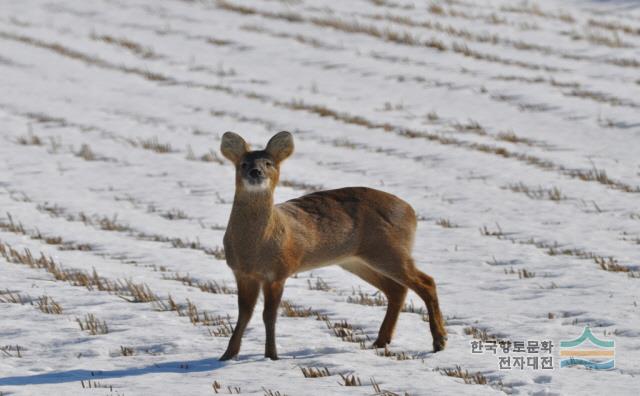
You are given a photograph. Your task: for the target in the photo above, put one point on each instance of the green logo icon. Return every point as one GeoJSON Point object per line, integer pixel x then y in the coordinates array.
{"type": "Point", "coordinates": [588, 351]}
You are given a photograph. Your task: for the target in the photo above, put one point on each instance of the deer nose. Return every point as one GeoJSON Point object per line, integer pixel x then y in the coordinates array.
{"type": "Point", "coordinates": [255, 173]}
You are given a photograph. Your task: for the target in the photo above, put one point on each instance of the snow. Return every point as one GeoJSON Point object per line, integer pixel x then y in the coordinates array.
{"type": "Point", "coordinates": [116, 76]}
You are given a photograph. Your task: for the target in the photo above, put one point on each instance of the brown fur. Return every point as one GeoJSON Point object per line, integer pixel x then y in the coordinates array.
{"type": "Point", "coordinates": [367, 232]}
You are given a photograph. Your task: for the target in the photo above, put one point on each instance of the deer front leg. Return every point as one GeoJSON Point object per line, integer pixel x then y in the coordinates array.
{"type": "Point", "coordinates": [248, 290]}
{"type": "Point", "coordinates": [272, 296]}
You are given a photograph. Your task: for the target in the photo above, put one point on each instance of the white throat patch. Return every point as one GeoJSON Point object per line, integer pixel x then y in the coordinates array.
{"type": "Point", "coordinates": [256, 187]}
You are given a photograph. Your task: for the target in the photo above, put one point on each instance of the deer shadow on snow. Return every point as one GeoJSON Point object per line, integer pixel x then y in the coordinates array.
{"type": "Point", "coordinates": [178, 367]}
{"type": "Point", "coordinates": [59, 377]}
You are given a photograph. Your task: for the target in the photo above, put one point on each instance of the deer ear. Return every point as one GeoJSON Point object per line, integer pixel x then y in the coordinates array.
{"type": "Point", "coordinates": [280, 146]}
{"type": "Point", "coordinates": [233, 146]}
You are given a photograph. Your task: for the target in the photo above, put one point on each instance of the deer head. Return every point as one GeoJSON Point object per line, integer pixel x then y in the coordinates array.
{"type": "Point", "coordinates": [257, 171]}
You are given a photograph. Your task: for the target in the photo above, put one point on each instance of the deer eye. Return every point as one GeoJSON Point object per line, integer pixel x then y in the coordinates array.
{"type": "Point", "coordinates": [244, 165]}
{"type": "Point", "coordinates": [269, 164]}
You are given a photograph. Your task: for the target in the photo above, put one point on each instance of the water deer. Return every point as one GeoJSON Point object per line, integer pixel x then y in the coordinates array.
{"type": "Point", "coordinates": [367, 232]}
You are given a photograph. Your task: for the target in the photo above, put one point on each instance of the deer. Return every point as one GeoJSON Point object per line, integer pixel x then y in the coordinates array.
{"type": "Point", "coordinates": [367, 232]}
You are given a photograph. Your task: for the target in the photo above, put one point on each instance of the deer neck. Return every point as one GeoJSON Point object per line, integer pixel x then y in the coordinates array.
{"type": "Point", "coordinates": [253, 214]}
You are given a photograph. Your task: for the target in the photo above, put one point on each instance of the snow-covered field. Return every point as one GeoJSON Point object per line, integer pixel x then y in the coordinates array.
{"type": "Point", "coordinates": [511, 127]}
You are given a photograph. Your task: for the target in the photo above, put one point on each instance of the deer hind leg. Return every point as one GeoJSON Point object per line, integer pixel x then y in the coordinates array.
{"type": "Point", "coordinates": [248, 290]}
{"type": "Point", "coordinates": [394, 292]}
{"type": "Point", "coordinates": [272, 296]}
{"type": "Point", "coordinates": [402, 269]}
{"type": "Point", "coordinates": [425, 287]}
